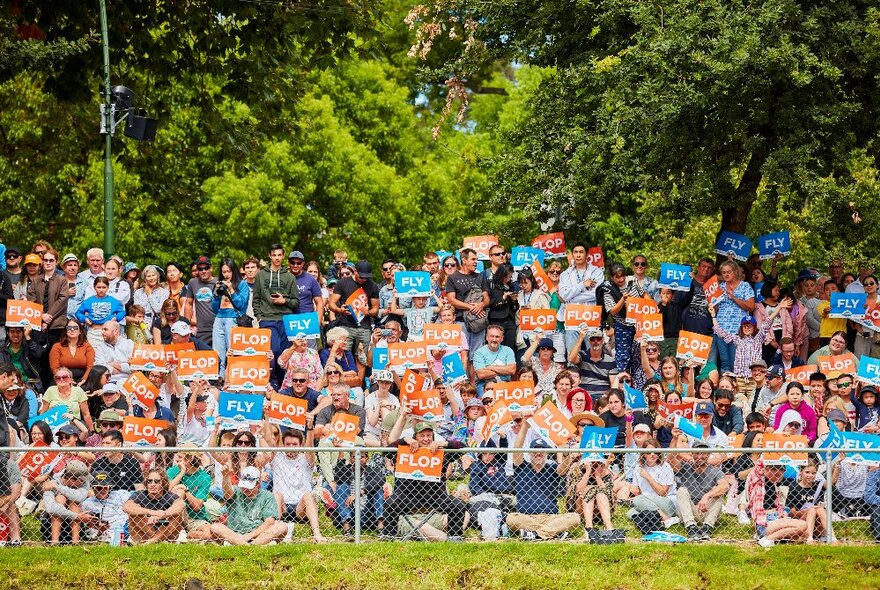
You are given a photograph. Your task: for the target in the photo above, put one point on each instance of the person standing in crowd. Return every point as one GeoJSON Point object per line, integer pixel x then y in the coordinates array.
{"type": "Point", "coordinates": [99, 309]}
{"type": "Point", "coordinates": [200, 311]}
{"type": "Point", "coordinates": [275, 295]}
{"type": "Point", "coordinates": [468, 292]}
{"type": "Point", "coordinates": [358, 328]}
{"type": "Point", "coordinates": [229, 302]}
{"type": "Point", "coordinates": [311, 298]}
{"type": "Point", "coordinates": [739, 301]}
{"type": "Point", "coordinates": [577, 284]}
{"type": "Point", "coordinates": [641, 282]}
{"type": "Point", "coordinates": [50, 290]}
{"type": "Point", "coordinates": [151, 295]}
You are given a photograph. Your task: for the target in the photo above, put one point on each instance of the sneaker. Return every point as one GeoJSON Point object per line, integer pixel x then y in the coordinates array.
{"type": "Point", "coordinates": [289, 534]}
{"type": "Point", "coordinates": [837, 517]}
{"type": "Point", "coordinates": [181, 538]}
{"type": "Point", "coordinates": [743, 518]}
{"type": "Point", "coordinates": [528, 535]}
{"type": "Point", "coordinates": [693, 533]}
{"type": "Point", "coordinates": [765, 542]}
{"type": "Point", "coordinates": [670, 522]}
{"type": "Point", "coordinates": [705, 532]}
{"type": "Point", "coordinates": [563, 536]}
{"type": "Point", "coordinates": [454, 539]}
{"type": "Point", "coordinates": [327, 499]}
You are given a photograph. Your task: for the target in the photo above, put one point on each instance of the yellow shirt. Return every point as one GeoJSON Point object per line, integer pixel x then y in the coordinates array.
{"type": "Point", "coordinates": [828, 326]}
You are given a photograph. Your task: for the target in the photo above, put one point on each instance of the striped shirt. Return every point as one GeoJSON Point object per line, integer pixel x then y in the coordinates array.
{"type": "Point", "coordinates": [594, 374]}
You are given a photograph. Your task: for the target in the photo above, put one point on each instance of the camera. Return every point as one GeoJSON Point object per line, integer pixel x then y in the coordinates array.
{"type": "Point", "coordinates": [221, 289]}
{"type": "Point", "coordinates": [385, 332]}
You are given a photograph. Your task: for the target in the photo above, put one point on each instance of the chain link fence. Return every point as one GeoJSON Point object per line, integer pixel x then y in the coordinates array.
{"type": "Point", "coordinates": [237, 495]}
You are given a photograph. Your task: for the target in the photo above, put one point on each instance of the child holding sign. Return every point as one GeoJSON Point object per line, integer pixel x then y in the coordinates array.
{"type": "Point", "coordinates": [748, 341]}
{"type": "Point", "coordinates": [417, 316]}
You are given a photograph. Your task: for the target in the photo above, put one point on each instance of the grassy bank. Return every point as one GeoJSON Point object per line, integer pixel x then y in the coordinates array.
{"type": "Point", "coordinates": [391, 566]}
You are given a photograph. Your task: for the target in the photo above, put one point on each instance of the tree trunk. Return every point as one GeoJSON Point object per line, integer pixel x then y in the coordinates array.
{"type": "Point", "coordinates": [735, 217]}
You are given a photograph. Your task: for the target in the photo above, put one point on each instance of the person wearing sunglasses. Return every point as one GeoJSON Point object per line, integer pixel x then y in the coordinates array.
{"type": "Point", "coordinates": [448, 267]}
{"type": "Point", "coordinates": [154, 514]}
{"type": "Point", "coordinates": [300, 386]}
{"type": "Point", "coordinates": [339, 352]}
{"type": "Point", "coordinates": [645, 285]}
{"type": "Point", "coordinates": [65, 393]}
{"type": "Point", "coordinates": [73, 352]}
{"type": "Point", "coordinates": [252, 512]}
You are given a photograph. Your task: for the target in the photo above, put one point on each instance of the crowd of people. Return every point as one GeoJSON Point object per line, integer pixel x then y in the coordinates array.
{"type": "Point", "coordinates": [93, 317]}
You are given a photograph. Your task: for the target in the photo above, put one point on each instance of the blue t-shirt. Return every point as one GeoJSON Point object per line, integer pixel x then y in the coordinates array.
{"type": "Point", "coordinates": [484, 357]}
{"type": "Point", "coordinates": [308, 288]}
{"type": "Point", "coordinates": [536, 493]}
{"type": "Point", "coordinates": [100, 310]}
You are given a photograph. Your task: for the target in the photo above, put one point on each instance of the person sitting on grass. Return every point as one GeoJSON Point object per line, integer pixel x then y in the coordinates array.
{"type": "Point", "coordinates": [767, 509]}
{"type": "Point", "coordinates": [700, 494]}
{"type": "Point", "coordinates": [538, 484]}
{"type": "Point", "coordinates": [292, 480]}
{"type": "Point", "coordinates": [372, 494]}
{"type": "Point", "coordinates": [252, 512]}
{"type": "Point", "coordinates": [191, 482]}
{"type": "Point", "coordinates": [62, 498]}
{"type": "Point", "coordinates": [154, 514]}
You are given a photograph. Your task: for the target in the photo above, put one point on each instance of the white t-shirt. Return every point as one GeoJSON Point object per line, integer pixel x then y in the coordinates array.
{"type": "Point", "coordinates": [370, 404]}
{"type": "Point", "coordinates": [662, 474]}
{"type": "Point", "coordinates": [292, 478]}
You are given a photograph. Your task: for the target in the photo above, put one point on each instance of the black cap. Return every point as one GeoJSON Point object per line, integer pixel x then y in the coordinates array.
{"type": "Point", "coordinates": [13, 249]}
{"type": "Point", "coordinates": [203, 260]}
{"type": "Point", "coordinates": [364, 270]}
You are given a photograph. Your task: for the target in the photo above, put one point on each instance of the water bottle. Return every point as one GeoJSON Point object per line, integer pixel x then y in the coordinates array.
{"type": "Point", "coordinates": [116, 536]}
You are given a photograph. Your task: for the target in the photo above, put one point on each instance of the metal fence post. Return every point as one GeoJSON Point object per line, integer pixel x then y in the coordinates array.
{"type": "Point", "coordinates": [357, 495]}
{"type": "Point", "coordinates": [829, 533]}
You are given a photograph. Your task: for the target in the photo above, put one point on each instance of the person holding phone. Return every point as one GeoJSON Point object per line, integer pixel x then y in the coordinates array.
{"type": "Point", "coordinates": [275, 295]}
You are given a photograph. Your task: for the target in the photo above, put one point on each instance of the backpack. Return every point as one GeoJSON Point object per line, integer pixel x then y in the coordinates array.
{"type": "Point", "coordinates": [474, 324]}
{"type": "Point", "coordinates": [600, 301]}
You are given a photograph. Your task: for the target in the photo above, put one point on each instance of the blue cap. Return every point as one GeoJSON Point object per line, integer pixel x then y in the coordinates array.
{"type": "Point", "coordinates": [539, 443]}
{"type": "Point", "coordinates": [129, 266]}
{"type": "Point", "coordinates": [546, 343]}
{"type": "Point", "coordinates": [749, 320]}
{"type": "Point", "coordinates": [704, 406]}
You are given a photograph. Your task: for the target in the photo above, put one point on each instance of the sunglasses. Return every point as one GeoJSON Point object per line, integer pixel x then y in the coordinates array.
{"type": "Point", "coordinates": [583, 424]}
{"type": "Point", "coordinates": [844, 383]}
{"type": "Point", "coordinates": [49, 259]}
{"type": "Point", "coordinates": [110, 425]}
{"type": "Point", "coordinates": [203, 268]}
{"type": "Point", "coordinates": [553, 272]}
{"type": "Point", "coordinates": [387, 268]}
{"type": "Point", "coordinates": [870, 284]}
{"type": "Point", "coordinates": [244, 443]}
{"type": "Point", "coordinates": [334, 372]}
{"type": "Point", "coordinates": [640, 264]}
{"type": "Point", "coordinates": [596, 338]}
{"type": "Point", "coordinates": [63, 436]}
{"type": "Point", "coordinates": [153, 480]}
{"type": "Point", "coordinates": [298, 380]}
{"type": "Point", "coordinates": [171, 314]}
{"type": "Point", "coordinates": [722, 406]}
{"type": "Point", "coordinates": [497, 254]}
{"type": "Point", "coordinates": [73, 328]}
{"type": "Point", "coordinates": [452, 265]}
{"type": "Point", "coordinates": [11, 256]}
{"type": "Point", "coordinates": [488, 402]}
{"type": "Point", "coordinates": [62, 377]}
{"type": "Point", "coordinates": [651, 349]}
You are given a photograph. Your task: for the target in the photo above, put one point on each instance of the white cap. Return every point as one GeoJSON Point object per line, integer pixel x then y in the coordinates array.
{"type": "Point", "coordinates": [181, 328]}
{"type": "Point", "coordinates": [249, 478]}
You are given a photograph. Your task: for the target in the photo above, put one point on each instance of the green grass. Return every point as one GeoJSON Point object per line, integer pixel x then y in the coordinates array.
{"type": "Point", "coordinates": [389, 566]}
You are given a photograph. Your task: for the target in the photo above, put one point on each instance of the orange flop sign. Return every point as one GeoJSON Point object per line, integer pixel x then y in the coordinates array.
{"type": "Point", "coordinates": [247, 373]}
{"type": "Point", "coordinates": [198, 364]}
{"type": "Point", "coordinates": [552, 425]}
{"type": "Point", "coordinates": [421, 465]}
{"type": "Point", "coordinates": [250, 341]}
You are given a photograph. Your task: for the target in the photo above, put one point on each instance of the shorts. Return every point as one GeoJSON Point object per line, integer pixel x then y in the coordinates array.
{"type": "Point", "coordinates": [762, 530]}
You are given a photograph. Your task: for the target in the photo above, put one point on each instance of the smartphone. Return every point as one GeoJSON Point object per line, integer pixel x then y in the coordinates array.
{"type": "Point", "coordinates": [386, 333]}
{"type": "Point", "coordinates": [276, 294]}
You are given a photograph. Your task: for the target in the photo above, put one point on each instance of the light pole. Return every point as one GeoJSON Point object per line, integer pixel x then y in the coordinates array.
{"type": "Point", "coordinates": [107, 129]}
{"type": "Point", "coordinates": [117, 101]}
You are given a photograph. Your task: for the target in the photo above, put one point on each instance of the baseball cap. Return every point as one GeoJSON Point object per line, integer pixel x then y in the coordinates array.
{"type": "Point", "coordinates": [837, 416]}
{"type": "Point", "coordinates": [421, 426]}
{"type": "Point", "coordinates": [364, 270]}
{"type": "Point", "coordinates": [69, 429]}
{"type": "Point", "coordinates": [595, 333]}
{"type": "Point", "coordinates": [13, 250]}
{"type": "Point", "coordinates": [296, 255]}
{"type": "Point", "coordinates": [775, 371]}
{"type": "Point", "coordinates": [100, 479]}
{"type": "Point", "coordinates": [33, 259]}
{"type": "Point", "coordinates": [109, 416]}
{"type": "Point", "coordinates": [804, 275]}
{"type": "Point", "coordinates": [110, 388]}
{"type": "Point", "coordinates": [833, 375]}
{"type": "Point", "coordinates": [758, 363]}
{"type": "Point", "coordinates": [249, 478]}
{"type": "Point", "coordinates": [704, 406]}
{"type": "Point", "coordinates": [203, 260]}
{"type": "Point", "coordinates": [76, 468]}
{"type": "Point", "coordinates": [473, 403]}
{"type": "Point", "coordinates": [181, 328]}
{"type": "Point", "coordinates": [539, 443]}
{"type": "Point", "coordinates": [641, 427]}
{"type": "Point", "coordinates": [748, 320]}
{"type": "Point", "coordinates": [68, 257]}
